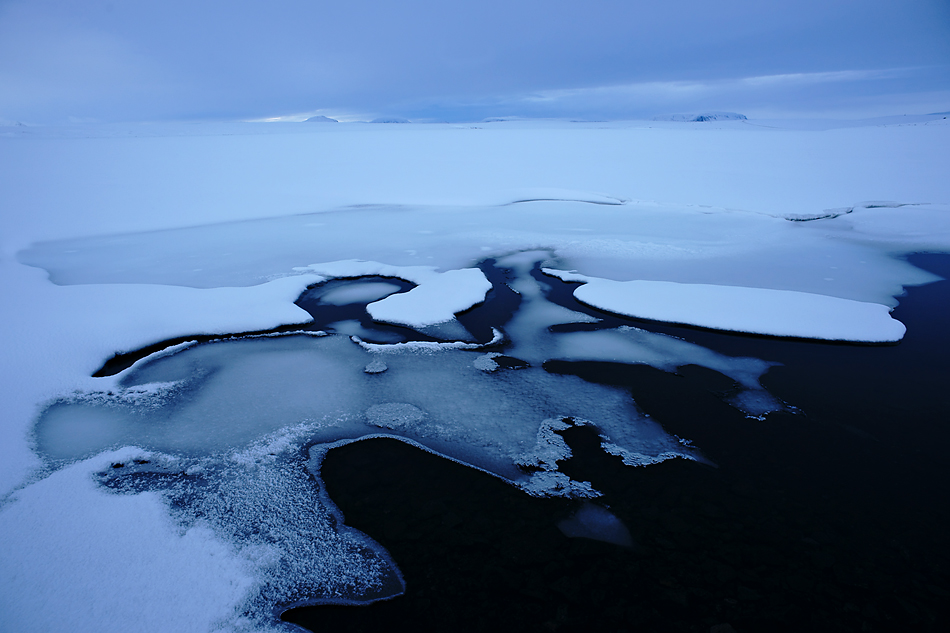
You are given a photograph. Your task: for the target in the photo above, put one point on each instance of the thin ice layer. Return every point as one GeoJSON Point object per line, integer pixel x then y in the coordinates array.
{"type": "Point", "coordinates": [358, 293]}
{"type": "Point", "coordinates": [225, 396]}
{"type": "Point", "coordinates": [533, 340]}
{"type": "Point", "coordinates": [751, 310]}
{"type": "Point", "coordinates": [221, 396]}
{"type": "Point", "coordinates": [632, 345]}
{"type": "Point", "coordinates": [529, 327]}
{"type": "Point", "coordinates": [55, 337]}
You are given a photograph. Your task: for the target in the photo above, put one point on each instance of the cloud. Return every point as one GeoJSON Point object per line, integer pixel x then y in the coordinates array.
{"type": "Point", "coordinates": [146, 59]}
{"type": "Point", "coordinates": [873, 92]}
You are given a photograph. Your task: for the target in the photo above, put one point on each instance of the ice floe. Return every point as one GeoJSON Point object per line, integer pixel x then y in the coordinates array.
{"type": "Point", "coordinates": [738, 309]}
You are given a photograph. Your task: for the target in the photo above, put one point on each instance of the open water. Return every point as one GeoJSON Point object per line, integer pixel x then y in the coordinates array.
{"type": "Point", "coordinates": [830, 516]}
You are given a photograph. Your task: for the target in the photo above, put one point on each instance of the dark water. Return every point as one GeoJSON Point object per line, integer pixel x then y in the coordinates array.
{"type": "Point", "coordinates": [830, 518]}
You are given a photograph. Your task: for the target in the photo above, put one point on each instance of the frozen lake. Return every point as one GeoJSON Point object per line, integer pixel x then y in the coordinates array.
{"type": "Point", "coordinates": [574, 405]}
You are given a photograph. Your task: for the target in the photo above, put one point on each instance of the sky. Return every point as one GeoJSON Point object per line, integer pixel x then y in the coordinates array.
{"type": "Point", "coordinates": [148, 60]}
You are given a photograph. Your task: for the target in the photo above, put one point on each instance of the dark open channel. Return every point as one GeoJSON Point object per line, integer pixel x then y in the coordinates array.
{"type": "Point", "coordinates": [831, 518]}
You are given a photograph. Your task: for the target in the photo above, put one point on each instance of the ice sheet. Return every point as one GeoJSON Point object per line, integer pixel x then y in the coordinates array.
{"type": "Point", "coordinates": [662, 242]}
{"type": "Point", "coordinates": [88, 183]}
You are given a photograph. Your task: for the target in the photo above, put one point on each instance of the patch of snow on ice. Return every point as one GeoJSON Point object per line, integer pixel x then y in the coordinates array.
{"type": "Point", "coordinates": [752, 310]}
{"type": "Point", "coordinates": [375, 366]}
{"type": "Point", "coordinates": [117, 554]}
{"type": "Point", "coordinates": [394, 415]}
{"type": "Point", "coordinates": [486, 362]}
{"type": "Point", "coordinates": [425, 347]}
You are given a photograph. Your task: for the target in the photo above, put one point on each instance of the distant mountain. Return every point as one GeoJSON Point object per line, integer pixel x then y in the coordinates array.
{"type": "Point", "coordinates": [705, 116]}
{"type": "Point", "coordinates": [321, 119]}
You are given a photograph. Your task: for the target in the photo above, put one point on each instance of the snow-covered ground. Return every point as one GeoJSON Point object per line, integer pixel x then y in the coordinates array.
{"type": "Point", "coordinates": [118, 237]}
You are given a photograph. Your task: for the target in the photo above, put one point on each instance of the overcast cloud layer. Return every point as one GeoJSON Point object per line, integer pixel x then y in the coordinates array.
{"type": "Point", "coordinates": [64, 60]}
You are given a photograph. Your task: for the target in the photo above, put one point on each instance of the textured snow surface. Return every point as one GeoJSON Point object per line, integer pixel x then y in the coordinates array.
{"type": "Point", "coordinates": [137, 497]}
{"type": "Point", "coordinates": [73, 555]}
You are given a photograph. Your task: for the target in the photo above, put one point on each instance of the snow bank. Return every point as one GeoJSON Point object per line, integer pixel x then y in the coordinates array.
{"type": "Point", "coordinates": [78, 558]}
{"type": "Point", "coordinates": [749, 310]}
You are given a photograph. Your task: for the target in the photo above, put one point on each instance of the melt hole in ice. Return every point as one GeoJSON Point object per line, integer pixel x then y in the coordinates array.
{"type": "Point", "coordinates": [595, 522]}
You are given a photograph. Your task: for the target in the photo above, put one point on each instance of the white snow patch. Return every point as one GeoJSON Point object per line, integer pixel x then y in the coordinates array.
{"type": "Point", "coordinates": [486, 362]}
{"type": "Point", "coordinates": [394, 415]}
{"type": "Point", "coordinates": [375, 366]}
{"type": "Point", "coordinates": [751, 310]}
{"type": "Point", "coordinates": [110, 559]}
{"type": "Point", "coordinates": [425, 347]}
